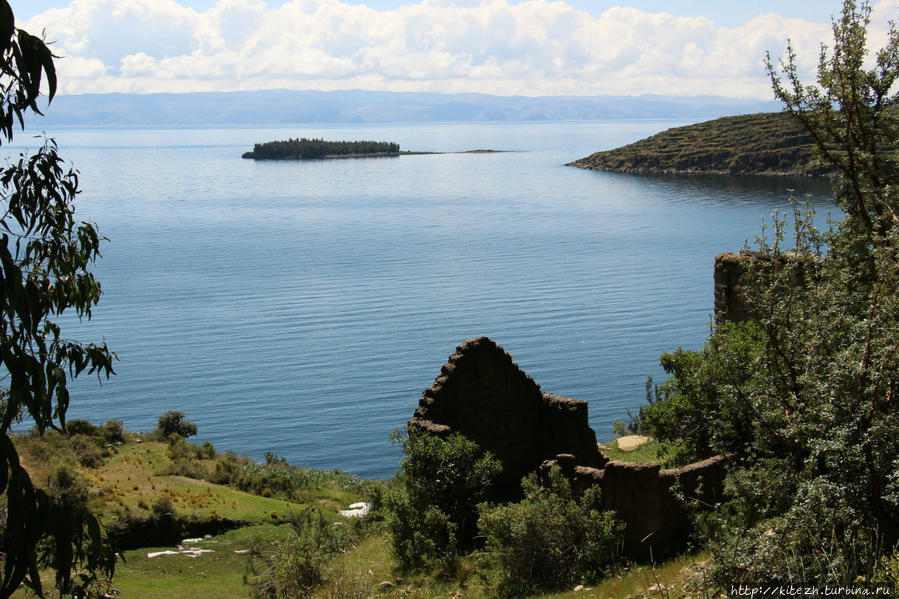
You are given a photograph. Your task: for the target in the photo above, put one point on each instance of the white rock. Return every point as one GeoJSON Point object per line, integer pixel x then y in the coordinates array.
{"type": "Point", "coordinates": [357, 510]}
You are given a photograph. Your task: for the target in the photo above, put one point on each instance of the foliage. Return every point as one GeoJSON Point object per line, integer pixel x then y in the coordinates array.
{"type": "Point", "coordinates": [804, 397]}
{"type": "Point", "coordinates": [44, 260]}
{"type": "Point", "coordinates": [746, 144]}
{"type": "Point", "coordinates": [173, 423]}
{"type": "Point", "coordinates": [287, 481]}
{"type": "Point", "coordinates": [432, 514]}
{"type": "Point", "coordinates": [702, 409]}
{"type": "Point", "coordinates": [296, 149]}
{"type": "Point", "coordinates": [859, 138]}
{"type": "Point", "coordinates": [549, 540]}
{"type": "Point", "coordinates": [820, 534]}
{"type": "Point", "coordinates": [294, 567]}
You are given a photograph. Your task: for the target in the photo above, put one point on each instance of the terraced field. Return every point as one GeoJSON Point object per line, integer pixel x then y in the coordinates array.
{"type": "Point", "coordinates": [753, 144]}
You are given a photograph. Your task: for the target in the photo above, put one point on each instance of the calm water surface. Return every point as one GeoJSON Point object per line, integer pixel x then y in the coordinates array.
{"type": "Point", "coordinates": [301, 308]}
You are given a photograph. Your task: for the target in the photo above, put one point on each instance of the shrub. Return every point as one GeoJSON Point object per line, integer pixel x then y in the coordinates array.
{"type": "Point", "coordinates": [113, 431]}
{"type": "Point", "coordinates": [549, 540]}
{"type": "Point", "coordinates": [81, 427]}
{"type": "Point", "coordinates": [163, 506]}
{"type": "Point", "coordinates": [432, 514]}
{"type": "Point", "coordinates": [296, 566]}
{"type": "Point", "coordinates": [173, 423]}
{"type": "Point", "coordinates": [225, 468]}
{"type": "Point", "coordinates": [816, 538]}
{"type": "Point", "coordinates": [282, 479]}
{"type": "Point", "coordinates": [702, 409]}
{"type": "Point", "coordinates": [185, 458]}
{"type": "Point", "coordinates": [206, 451]}
{"type": "Point", "coordinates": [86, 450]}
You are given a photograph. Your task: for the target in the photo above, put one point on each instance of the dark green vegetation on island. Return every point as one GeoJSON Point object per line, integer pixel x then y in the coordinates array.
{"type": "Point", "coordinates": [313, 149]}
{"type": "Point", "coordinates": [305, 149]}
{"type": "Point", "coordinates": [753, 144]}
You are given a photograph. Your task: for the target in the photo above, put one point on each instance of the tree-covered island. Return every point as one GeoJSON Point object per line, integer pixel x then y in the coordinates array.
{"type": "Point", "coordinates": [314, 149]}
{"type": "Point", "coordinates": [305, 149]}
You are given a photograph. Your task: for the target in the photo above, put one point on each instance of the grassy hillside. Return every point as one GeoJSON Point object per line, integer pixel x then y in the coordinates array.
{"type": "Point", "coordinates": [766, 143]}
{"type": "Point", "coordinates": [152, 494]}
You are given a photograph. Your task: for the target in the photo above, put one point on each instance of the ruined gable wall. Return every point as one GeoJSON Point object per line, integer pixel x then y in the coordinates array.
{"type": "Point", "coordinates": [484, 395]}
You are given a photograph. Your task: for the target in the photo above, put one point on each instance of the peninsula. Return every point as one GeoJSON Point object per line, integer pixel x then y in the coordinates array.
{"type": "Point", "coordinates": [752, 144]}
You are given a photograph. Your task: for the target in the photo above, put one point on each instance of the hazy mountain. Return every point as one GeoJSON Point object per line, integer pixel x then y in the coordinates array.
{"type": "Point", "coordinates": [283, 106]}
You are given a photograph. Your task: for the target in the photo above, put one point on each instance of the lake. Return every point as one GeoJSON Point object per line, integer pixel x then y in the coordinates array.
{"type": "Point", "coordinates": [302, 307]}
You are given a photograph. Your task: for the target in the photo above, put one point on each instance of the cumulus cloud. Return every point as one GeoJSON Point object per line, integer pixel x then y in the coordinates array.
{"type": "Point", "coordinates": [536, 47]}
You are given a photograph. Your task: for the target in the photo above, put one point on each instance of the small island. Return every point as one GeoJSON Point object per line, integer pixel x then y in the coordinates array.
{"type": "Point", "coordinates": [306, 149]}
{"type": "Point", "coordinates": [752, 144]}
{"type": "Point", "coordinates": [314, 149]}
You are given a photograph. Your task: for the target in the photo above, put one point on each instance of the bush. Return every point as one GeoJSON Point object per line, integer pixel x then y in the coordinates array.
{"type": "Point", "coordinates": [173, 423]}
{"type": "Point", "coordinates": [206, 451]}
{"type": "Point", "coordinates": [113, 431]}
{"type": "Point", "coordinates": [185, 458]}
{"type": "Point", "coordinates": [702, 409]}
{"type": "Point", "coordinates": [86, 450]}
{"type": "Point", "coordinates": [282, 479]}
{"type": "Point", "coordinates": [816, 538]}
{"type": "Point", "coordinates": [432, 514]}
{"type": "Point", "coordinates": [81, 427]}
{"type": "Point", "coordinates": [225, 468]}
{"type": "Point", "coordinates": [549, 540]}
{"type": "Point", "coordinates": [296, 565]}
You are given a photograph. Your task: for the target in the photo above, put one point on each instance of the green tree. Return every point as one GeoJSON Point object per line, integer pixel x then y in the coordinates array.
{"type": "Point", "coordinates": [173, 423]}
{"type": "Point", "coordinates": [851, 114]}
{"type": "Point", "coordinates": [815, 475]}
{"type": "Point", "coordinates": [44, 258]}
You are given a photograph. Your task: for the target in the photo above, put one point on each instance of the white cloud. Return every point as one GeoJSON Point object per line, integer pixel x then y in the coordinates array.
{"type": "Point", "coordinates": [534, 48]}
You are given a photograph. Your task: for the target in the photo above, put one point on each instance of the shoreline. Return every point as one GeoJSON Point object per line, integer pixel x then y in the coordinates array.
{"type": "Point", "coordinates": [697, 171]}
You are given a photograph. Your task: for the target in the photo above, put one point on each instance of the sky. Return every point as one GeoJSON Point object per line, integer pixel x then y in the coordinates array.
{"type": "Point", "coordinates": [504, 47]}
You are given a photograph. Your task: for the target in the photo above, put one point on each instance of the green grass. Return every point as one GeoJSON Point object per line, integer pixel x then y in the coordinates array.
{"type": "Point", "coordinates": [219, 574]}
{"type": "Point", "coordinates": [648, 452]}
{"type": "Point", "coordinates": [767, 143]}
{"type": "Point", "coordinates": [678, 577]}
{"type": "Point", "coordinates": [134, 479]}
{"type": "Point", "coordinates": [134, 475]}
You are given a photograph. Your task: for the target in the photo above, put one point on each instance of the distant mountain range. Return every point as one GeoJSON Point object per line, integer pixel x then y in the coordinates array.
{"type": "Point", "coordinates": [284, 106]}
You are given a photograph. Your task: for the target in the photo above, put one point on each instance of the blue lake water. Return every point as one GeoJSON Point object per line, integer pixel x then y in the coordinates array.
{"type": "Point", "coordinates": [302, 307]}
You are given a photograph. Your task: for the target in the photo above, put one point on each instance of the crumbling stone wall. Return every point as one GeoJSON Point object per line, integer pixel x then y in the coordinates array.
{"type": "Point", "coordinates": [648, 499]}
{"type": "Point", "coordinates": [732, 277]}
{"type": "Point", "coordinates": [729, 304]}
{"type": "Point", "coordinates": [484, 395]}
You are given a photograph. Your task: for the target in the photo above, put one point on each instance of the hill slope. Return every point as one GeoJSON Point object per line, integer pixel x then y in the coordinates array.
{"type": "Point", "coordinates": [768, 143]}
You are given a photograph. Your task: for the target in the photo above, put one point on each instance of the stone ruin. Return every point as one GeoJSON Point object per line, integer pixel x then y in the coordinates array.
{"type": "Point", "coordinates": [729, 304]}
{"type": "Point", "coordinates": [484, 395]}
{"type": "Point", "coordinates": [649, 500]}
{"type": "Point", "coordinates": [733, 275]}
